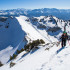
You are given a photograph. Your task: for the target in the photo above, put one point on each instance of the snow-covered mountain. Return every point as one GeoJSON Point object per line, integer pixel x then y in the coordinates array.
{"type": "Point", "coordinates": [16, 32]}
{"type": "Point", "coordinates": [60, 13]}
{"type": "Point", "coordinates": [22, 26]}
{"type": "Point", "coordinates": [42, 59]}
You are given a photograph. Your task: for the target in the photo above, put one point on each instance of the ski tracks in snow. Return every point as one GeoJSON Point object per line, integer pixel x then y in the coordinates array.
{"type": "Point", "coordinates": [56, 59]}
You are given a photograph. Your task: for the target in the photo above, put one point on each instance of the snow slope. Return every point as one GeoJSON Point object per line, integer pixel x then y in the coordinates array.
{"type": "Point", "coordinates": [12, 36]}
{"type": "Point", "coordinates": [32, 33]}
{"type": "Point", "coordinates": [42, 59]}
{"type": "Point", "coordinates": [15, 33]}
{"type": "Point", "coordinates": [20, 32]}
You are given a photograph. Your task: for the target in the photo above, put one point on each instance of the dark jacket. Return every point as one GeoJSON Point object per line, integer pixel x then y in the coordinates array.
{"type": "Point", "coordinates": [64, 37]}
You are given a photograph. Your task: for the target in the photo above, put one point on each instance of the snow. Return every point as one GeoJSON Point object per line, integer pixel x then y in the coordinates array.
{"type": "Point", "coordinates": [30, 30]}
{"type": "Point", "coordinates": [42, 60]}
{"type": "Point", "coordinates": [21, 32]}
{"type": "Point", "coordinates": [11, 36]}
{"type": "Point", "coordinates": [5, 54]}
{"type": "Point", "coordinates": [16, 34]}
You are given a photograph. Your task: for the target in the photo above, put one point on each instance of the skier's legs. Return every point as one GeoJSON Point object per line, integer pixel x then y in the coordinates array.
{"type": "Point", "coordinates": [64, 42]}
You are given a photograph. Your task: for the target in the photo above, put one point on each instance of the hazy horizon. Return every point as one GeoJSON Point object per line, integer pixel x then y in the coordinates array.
{"type": "Point", "coordinates": [33, 9]}
{"type": "Point", "coordinates": [34, 4]}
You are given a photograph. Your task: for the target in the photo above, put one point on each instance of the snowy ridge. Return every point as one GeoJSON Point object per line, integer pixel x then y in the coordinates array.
{"type": "Point", "coordinates": [16, 32]}
{"type": "Point", "coordinates": [29, 29]}
{"type": "Point", "coordinates": [42, 60]}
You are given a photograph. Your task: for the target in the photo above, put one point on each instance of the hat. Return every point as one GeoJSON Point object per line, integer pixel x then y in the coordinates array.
{"type": "Point", "coordinates": [64, 32]}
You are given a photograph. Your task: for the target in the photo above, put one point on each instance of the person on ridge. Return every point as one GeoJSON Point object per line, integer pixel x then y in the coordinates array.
{"type": "Point", "coordinates": [64, 38]}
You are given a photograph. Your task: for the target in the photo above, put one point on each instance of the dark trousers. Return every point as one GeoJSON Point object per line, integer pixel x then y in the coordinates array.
{"type": "Point", "coordinates": [63, 43]}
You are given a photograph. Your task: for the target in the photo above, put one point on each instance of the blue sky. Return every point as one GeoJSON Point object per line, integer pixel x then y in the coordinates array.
{"type": "Point", "coordinates": [34, 4]}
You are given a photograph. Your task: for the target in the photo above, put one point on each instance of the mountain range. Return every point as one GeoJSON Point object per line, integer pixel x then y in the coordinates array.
{"type": "Point", "coordinates": [22, 29]}
{"type": "Point", "coordinates": [16, 32]}
{"type": "Point", "coordinates": [60, 13]}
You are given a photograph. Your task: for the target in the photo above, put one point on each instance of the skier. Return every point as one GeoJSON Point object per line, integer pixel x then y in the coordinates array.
{"type": "Point", "coordinates": [64, 38]}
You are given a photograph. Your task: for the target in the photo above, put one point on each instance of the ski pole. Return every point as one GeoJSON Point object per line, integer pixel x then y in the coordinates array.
{"type": "Point", "coordinates": [68, 42]}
